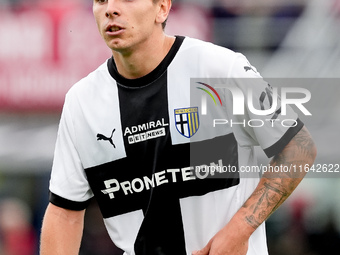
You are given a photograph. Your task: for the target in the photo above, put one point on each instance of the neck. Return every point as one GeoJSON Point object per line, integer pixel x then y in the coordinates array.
{"type": "Point", "coordinates": [144, 59]}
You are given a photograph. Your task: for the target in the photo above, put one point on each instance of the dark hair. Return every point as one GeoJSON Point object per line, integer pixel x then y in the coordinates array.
{"type": "Point", "coordinates": [164, 24]}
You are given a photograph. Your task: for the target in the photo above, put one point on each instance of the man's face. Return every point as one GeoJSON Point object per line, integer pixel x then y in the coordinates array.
{"type": "Point", "coordinates": [126, 24]}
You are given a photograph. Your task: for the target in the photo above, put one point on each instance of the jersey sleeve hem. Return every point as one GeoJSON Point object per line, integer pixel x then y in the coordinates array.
{"type": "Point", "coordinates": [285, 139]}
{"type": "Point", "coordinates": [67, 204]}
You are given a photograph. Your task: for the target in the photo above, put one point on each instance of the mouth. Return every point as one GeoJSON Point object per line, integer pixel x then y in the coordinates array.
{"type": "Point", "coordinates": [113, 28]}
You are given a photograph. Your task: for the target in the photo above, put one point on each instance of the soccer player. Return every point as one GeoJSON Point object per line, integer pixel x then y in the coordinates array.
{"type": "Point", "coordinates": [136, 135]}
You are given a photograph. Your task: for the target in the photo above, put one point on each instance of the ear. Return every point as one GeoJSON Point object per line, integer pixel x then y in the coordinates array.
{"type": "Point", "coordinates": [164, 9]}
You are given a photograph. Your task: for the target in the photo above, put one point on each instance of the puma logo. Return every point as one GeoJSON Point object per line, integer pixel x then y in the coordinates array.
{"type": "Point", "coordinates": [104, 138]}
{"type": "Point", "coordinates": [248, 68]}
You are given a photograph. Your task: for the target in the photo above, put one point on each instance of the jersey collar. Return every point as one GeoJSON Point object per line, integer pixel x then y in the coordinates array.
{"type": "Point", "coordinates": [153, 75]}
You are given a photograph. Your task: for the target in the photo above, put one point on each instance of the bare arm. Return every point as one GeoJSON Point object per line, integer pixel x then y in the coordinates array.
{"type": "Point", "coordinates": [272, 190]}
{"type": "Point", "coordinates": [275, 188]}
{"type": "Point", "coordinates": [61, 231]}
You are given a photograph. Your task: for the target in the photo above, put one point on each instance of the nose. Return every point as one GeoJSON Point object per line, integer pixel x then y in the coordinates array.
{"type": "Point", "coordinates": [112, 8]}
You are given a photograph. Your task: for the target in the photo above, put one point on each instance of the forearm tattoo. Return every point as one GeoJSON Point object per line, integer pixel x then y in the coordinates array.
{"type": "Point", "coordinates": [275, 188]}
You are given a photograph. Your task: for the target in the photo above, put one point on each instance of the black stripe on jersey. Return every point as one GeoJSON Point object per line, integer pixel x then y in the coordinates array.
{"type": "Point", "coordinates": [172, 157]}
{"type": "Point", "coordinates": [67, 204]}
{"type": "Point", "coordinates": [161, 204]}
{"type": "Point", "coordinates": [151, 177]}
{"type": "Point", "coordinates": [285, 139]}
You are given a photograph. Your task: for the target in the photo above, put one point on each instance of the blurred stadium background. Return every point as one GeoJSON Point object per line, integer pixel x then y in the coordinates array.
{"type": "Point", "coordinates": [46, 46]}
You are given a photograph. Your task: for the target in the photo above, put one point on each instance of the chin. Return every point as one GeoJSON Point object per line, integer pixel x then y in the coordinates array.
{"type": "Point", "coordinates": [115, 45]}
{"type": "Point", "coordinates": [119, 48]}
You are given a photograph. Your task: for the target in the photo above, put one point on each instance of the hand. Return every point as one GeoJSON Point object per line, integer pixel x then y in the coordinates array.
{"type": "Point", "coordinates": [226, 242]}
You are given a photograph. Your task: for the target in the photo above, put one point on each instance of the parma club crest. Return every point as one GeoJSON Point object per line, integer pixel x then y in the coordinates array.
{"type": "Point", "coordinates": [187, 121]}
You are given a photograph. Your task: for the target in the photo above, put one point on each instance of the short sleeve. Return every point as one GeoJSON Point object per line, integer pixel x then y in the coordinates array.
{"type": "Point", "coordinates": [69, 187]}
{"type": "Point", "coordinates": [261, 121]}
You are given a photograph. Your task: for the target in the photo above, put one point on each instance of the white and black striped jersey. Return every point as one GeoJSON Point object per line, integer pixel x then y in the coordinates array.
{"type": "Point", "coordinates": [135, 145]}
